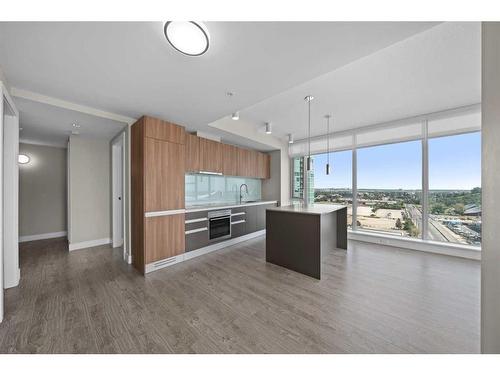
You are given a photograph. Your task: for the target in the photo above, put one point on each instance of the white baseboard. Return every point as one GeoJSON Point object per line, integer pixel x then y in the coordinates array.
{"type": "Point", "coordinates": [43, 236]}
{"type": "Point", "coordinates": [202, 251]}
{"type": "Point", "coordinates": [87, 244]}
{"type": "Point", "coordinates": [461, 251]}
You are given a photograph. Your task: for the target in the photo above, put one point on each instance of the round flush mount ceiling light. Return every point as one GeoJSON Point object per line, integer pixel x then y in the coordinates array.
{"type": "Point", "coordinates": [188, 37]}
{"type": "Point", "coordinates": [23, 159]}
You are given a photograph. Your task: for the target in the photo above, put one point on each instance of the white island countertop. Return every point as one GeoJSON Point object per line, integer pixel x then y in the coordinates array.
{"type": "Point", "coordinates": [314, 209]}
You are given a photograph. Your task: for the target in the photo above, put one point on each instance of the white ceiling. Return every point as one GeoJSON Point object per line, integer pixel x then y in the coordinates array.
{"type": "Point", "coordinates": [129, 69]}
{"type": "Point", "coordinates": [432, 71]}
{"type": "Point", "coordinates": [50, 125]}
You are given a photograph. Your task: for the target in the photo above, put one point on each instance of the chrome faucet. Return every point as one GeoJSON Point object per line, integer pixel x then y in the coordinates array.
{"type": "Point", "coordinates": [241, 195]}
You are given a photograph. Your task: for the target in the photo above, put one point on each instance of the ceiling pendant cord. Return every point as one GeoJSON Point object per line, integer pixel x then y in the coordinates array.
{"type": "Point", "coordinates": [328, 144]}
{"type": "Point", "coordinates": [308, 99]}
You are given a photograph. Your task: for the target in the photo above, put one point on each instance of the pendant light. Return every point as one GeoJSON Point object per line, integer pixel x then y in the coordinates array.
{"type": "Point", "coordinates": [328, 143]}
{"type": "Point", "coordinates": [308, 99]}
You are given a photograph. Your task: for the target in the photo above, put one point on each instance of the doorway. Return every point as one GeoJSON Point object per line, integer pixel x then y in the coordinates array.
{"type": "Point", "coordinates": [117, 194]}
{"type": "Point", "coordinates": [9, 146]}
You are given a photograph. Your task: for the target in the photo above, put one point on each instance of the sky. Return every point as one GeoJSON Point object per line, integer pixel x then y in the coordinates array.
{"type": "Point", "coordinates": [454, 163]}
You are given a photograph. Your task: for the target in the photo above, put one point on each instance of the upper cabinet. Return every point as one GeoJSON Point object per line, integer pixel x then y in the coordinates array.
{"type": "Point", "coordinates": [264, 165]}
{"type": "Point", "coordinates": [192, 153]}
{"type": "Point", "coordinates": [230, 160]}
{"type": "Point", "coordinates": [163, 130]}
{"type": "Point", "coordinates": [210, 156]}
{"type": "Point", "coordinates": [206, 155]}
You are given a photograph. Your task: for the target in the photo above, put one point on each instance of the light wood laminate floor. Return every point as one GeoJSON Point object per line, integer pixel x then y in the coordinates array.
{"type": "Point", "coordinates": [372, 299]}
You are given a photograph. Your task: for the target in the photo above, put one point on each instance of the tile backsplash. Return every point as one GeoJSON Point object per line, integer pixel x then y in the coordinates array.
{"type": "Point", "coordinates": [202, 188]}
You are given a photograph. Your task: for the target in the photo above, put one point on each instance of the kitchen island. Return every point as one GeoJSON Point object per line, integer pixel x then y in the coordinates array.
{"type": "Point", "coordinates": [297, 235]}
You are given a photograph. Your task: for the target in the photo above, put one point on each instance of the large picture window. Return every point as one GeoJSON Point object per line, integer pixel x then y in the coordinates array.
{"type": "Point", "coordinates": [455, 189]}
{"type": "Point", "coordinates": [390, 189]}
{"type": "Point", "coordinates": [416, 178]}
{"type": "Point", "coordinates": [337, 186]}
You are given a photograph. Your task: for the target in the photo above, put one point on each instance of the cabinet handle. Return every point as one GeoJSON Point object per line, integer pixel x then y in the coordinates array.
{"type": "Point", "coordinates": [196, 230]}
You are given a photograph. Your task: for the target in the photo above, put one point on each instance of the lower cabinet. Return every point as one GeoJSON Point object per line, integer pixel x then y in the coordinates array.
{"type": "Point", "coordinates": [164, 237]}
{"type": "Point", "coordinates": [244, 220]}
{"type": "Point", "coordinates": [256, 217]}
{"type": "Point", "coordinates": [196, 240]}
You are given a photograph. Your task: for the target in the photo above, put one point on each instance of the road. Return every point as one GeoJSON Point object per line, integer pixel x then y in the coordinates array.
{"type": "Point", "coordinates": [437, 231]}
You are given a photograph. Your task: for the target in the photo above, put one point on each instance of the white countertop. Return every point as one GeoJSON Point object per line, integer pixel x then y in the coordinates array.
{"type": "Point", "coordinates": [314, 209]}
{"type": "Point", "coordinates": [221, 206]}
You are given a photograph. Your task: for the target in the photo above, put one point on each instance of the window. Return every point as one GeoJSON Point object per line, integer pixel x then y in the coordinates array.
{"type": "Point", "coordinates": [388, 162]}
{"type": "Point", "coordinates": [455, 189]}
{"type": "Point", "coordinates": [337, 186]}
{"type": "Point", "coordinates": [390, 189]}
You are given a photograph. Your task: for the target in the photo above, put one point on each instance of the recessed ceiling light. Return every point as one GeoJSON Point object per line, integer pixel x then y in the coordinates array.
{"type": "Point", "coordinates": [23, 159]}
{"type": "Point", "coordinates": [235, 115]}
{"type": "Point", "coordinates": [188, 37]}
{"type": "Point", "coordinates": [269, 128]}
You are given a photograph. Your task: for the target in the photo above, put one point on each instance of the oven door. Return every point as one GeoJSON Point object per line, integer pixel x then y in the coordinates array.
{"type": "Point", "coordinates": [219, 227]}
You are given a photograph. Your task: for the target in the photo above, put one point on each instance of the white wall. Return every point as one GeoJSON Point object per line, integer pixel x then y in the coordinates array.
{"type": "Point", "coordinates": [271, 188]}
{"type": "Point", "coordinates": [89, 192]}
{"type": "Point", "coordinates": [42, 192]}
{"type": "Point", "coordinates": [490, 262]}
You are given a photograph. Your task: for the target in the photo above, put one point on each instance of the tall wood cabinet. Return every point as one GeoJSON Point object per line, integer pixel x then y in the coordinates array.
{"type": "Point", "coordinates": [158, 167]}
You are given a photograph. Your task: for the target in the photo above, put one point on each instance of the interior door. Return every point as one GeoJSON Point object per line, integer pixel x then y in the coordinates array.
{"type": "Point", "coordinates": [118, 193]}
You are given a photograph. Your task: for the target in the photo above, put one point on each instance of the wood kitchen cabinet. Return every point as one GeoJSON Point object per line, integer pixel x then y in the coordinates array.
{"type": "Point", "coordinates": [245, 167]}
{"type": "Point", "coordinates": [164, 237]}
{"type": "Point", "coordinates": [163, 176]}
{"type": "Point", "coordinates": [206, 155]}
{"type": "Point", "coordinates": [157, 172]}
{"type": "Point", "coordinates": [163, 130]}
{"type": "Point", "coordinates": [264, 165]}
{"type": "Point", "coordinates": [210, 155]}
{"type": "Point", "coordinates": [192, 153]}
{"type": "Point", "coordinates": [229, 160]}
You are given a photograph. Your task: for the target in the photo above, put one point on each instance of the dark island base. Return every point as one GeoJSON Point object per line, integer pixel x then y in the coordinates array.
{"type": "Point", "coordinates": [296, 240]}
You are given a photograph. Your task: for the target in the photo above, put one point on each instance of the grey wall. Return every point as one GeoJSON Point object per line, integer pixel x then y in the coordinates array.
{"type": "Point", "coordinates": [42, 190]}
{"type": "Point", "coordinates": [89, 189]}
{"type": "Point", "coordinates": [271, 188]}
{"type": "Point", "coordinates": [490, 258]}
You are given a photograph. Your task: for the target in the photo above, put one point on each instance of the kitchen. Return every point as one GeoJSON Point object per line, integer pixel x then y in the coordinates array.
{"type": "Point", "coordinates": [192, 195]}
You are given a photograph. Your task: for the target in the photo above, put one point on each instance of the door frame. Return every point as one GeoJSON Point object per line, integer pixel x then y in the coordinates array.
{"type": "Point", "coordinates": [118, 142]}
{"type": "Point", "coordinates": [7, 107]}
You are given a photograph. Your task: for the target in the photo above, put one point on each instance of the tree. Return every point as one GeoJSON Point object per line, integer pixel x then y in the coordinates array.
{"type": "Point", "coordinates": [476, 190]}
{"type": "Point", "coordinates": [459, 208]}
{"type": "Point", "coordinates": [438, 208]}
{"type": "Point", "coordinates": [399, 225]}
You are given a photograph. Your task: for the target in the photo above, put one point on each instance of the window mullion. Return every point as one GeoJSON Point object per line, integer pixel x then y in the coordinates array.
{"type": "Point", "coordinates": [354, 185]}
{"type": "Point", "coordinates": [425, 180]}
